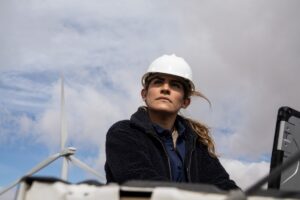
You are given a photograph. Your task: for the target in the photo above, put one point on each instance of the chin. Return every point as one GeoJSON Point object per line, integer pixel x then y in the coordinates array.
{"type": "Point", "coordinates": [164, 109]}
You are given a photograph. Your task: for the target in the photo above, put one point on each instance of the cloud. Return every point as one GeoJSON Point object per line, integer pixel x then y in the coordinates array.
{"type": "Point", "coordinates": [89, 113]}
{"type": "Point", "coordinates": [243, 55]}
{"type": "Point", "coordinates": [245, 174]}
{"type": "Point", "coordinates": [244, 60]}
{"type": "Point", "coordinates": [48, 36]}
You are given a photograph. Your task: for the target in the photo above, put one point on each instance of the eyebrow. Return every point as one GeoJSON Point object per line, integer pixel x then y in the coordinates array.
{"type": "Point", "coordinates": [171, 80]}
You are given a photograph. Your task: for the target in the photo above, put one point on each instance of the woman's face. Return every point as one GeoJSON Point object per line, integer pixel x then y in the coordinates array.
{"type": "Point", "coordinates": [165, 93]}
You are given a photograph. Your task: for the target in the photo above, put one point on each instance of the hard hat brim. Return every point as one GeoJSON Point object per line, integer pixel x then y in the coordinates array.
{"type": "Point", "coordinates": [148, 74]}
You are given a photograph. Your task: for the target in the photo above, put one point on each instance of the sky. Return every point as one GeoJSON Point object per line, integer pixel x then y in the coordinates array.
{"type": "Point", "coordinates": [244, 56]}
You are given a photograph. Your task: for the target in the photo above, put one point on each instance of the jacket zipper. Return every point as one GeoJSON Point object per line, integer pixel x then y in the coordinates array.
{"type": "Point", "coordinates": [166, 154]}
{"type": "Point", "coordinates": [190, 162]}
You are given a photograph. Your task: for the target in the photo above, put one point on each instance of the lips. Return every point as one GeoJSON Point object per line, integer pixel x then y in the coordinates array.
{"type": "Point", "coordinates": [164, 98]}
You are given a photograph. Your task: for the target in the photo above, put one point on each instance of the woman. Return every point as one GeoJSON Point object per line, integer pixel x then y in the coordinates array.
{"type": "Point", "coordinates": [159, 144]}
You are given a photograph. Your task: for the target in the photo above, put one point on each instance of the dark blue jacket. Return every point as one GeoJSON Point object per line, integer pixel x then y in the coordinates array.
{"type": "Point", "coordinates": [135, 152]}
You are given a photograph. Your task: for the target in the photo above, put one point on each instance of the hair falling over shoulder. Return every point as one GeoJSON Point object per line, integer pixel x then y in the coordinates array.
{"type": "Point", "coordinates": [201, 129]}
{"type": "Point", "coordinates": [204, 135]}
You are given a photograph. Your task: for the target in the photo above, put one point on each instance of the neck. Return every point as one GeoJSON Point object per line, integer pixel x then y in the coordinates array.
{"type": "Point", "coordinates": [165, 120]}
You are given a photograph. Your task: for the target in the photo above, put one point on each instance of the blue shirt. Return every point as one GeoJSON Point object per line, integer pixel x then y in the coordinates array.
{"type": "Point", "coordinates": [176, 155]}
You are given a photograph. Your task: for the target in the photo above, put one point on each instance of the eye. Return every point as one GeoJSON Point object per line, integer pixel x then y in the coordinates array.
{"type": "Point", "coordinates": [157, 81]}
{"type": "Point", "coordinates": [176, 85]}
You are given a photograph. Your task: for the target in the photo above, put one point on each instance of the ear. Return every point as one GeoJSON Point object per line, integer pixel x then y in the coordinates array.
{"type": "Point", "coordinates": [143, 94]}
{"type": "Point", "coordinates": [186, 102]}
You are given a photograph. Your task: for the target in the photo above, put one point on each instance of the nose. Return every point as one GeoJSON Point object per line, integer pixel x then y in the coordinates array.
{"type": "Point", "coordinates": [165, 89]}
{"type": "Point", "coordinates": [166, 85]}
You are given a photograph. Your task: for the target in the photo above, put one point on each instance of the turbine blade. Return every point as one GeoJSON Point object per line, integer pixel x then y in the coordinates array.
{"type": "Point", "coordinates": [84, 166]}
{"type": "Point", "coordinates": [64, 169]}
{"type": "Point", "coordinates": [63, 130]}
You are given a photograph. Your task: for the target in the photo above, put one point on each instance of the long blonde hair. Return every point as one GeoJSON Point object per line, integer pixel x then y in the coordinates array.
{"type": "Point", "coordinates": [204, 135]}
{"type": "Point", "coordinates": [201, 129]}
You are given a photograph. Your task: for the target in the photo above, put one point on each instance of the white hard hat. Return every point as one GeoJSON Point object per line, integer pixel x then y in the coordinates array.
{"type": "Point", "coordinates": [173, 65]}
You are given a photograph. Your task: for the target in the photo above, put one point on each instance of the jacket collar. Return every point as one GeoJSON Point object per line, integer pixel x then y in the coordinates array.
{"type": "Point", "coordinates": [162, 131]}
{"type": "Point", "coordinates": [141, 120]}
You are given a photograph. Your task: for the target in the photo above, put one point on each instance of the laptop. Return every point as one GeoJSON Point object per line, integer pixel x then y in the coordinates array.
{"type": "Point", "coordinates": [286, 143]}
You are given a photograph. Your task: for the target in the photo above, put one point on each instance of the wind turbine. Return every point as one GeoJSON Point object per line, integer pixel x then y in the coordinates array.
{"type": "Point", "coordinates": [67, 153]}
